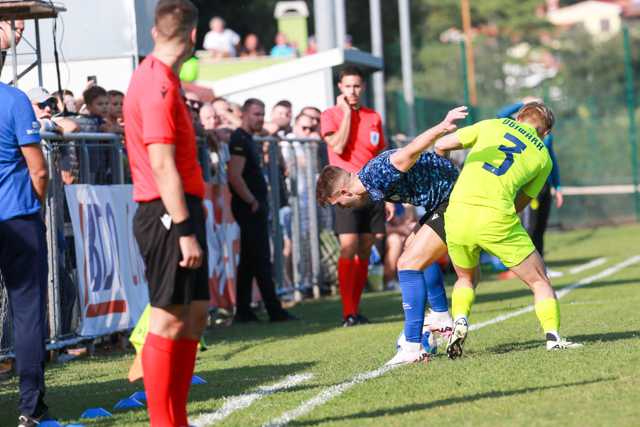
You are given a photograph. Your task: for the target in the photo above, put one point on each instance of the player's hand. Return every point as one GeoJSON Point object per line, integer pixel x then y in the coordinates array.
{"type": "Point", "coordinates": [559, 199]}
{"type": "Point", "coordinates": [255, 205]}
{"type": "Point", "coordinates": [191, 252]}
{"type": "Point", "coordinates": [389, 211]}
{"type": "Point", "coordinates": [341, 101]}
{"type": "Point", "coordinates": [449, 122]}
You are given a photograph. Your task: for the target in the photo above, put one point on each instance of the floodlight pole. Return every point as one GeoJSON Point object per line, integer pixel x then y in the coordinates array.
{"type": "Point", "coordinates": [323, 12]}
{"type": "Point", "coordinates": [471, 70]}
{"type": "Point", "coordinates": [377, 50]}
{"type": "Point", "coordinates": [407, 67]}
{"type": "Point", "coordinates": [341, 23]}
{"type": "Point", "coordinates": [631, 108]}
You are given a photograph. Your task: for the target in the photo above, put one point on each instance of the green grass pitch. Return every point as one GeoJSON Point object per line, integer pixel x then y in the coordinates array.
{"type": "Point", "coordinates": [506, 377]}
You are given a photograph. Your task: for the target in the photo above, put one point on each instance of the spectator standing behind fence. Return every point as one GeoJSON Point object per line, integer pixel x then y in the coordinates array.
{"type": "Point", "coordinates": [228, 119]}
{"type": "Point", "coordinates": [251, 47]}
{"type": "Point", "coordinates": [354, 136]}
{"type": "Point", "coordinates": [221, 42]}
{"type": "Point", "coordinates": [169, 224]}
{"type": "Point", "coordinates": [282, 48]}
{"type": "Point", "coordinates": [114, 118]}
{"type": "Point", "coordinates": [250, 208]}
{"type": "Point", "coordinates": [23, 247]}
{"type": "Point", "coordinates": [280, 123]}
{"type": "Point", "coordinates": [101, 161]}
{"type": "Point", "coordinates": [44, 106]}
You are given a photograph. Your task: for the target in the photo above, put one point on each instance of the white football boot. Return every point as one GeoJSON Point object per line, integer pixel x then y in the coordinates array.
{"type": "Point", "coordinates": [409, 352]}
{"type": "Point", "coordinates": [554, 342]}
{"type": "Point", "coordinates": [456, 340]}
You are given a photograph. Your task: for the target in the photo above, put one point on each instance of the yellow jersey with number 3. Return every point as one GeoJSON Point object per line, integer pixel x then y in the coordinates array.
{"type": "Point", "coordinates": [506, 156]}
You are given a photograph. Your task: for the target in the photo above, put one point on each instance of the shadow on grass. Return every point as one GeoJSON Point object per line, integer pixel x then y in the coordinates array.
{"type": "Point", "coordinates": [316, 317]}
{"type": "Point", "coordinates": [445, 402]}
{"type": "Point", "coordinates": [569, 262]}
{"type": "Point", "coordinates": [67, 402]}
{"type": "Point", "coordinates": [583, 339]}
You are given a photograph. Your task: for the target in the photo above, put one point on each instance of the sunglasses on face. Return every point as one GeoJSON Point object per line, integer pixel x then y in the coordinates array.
{"type": "Point", "coordinates": [51, 103]}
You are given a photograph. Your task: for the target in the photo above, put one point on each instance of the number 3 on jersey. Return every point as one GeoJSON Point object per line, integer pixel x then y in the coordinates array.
{"type": "Point", "coordinates": [509, 151]}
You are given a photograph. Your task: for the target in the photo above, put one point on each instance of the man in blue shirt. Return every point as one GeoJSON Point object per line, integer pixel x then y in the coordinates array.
{"type": "Point", "coordinates": [408, 175]}
{"type": "Point", "coordinates": [23, 247]}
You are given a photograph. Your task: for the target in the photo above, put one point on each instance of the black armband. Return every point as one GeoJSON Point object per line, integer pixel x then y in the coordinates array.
{"type": "Point", "coordinates": [184, 228]}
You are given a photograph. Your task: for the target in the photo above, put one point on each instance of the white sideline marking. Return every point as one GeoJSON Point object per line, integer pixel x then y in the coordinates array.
{"type": "Point", "coordinates": [336, 390]}
{"type": "Point", "coordinates": [591, 264]}
{"type": "Point", "coordinates": [236, 403]}
{"type": "Point", "coordinates": [326, 395]}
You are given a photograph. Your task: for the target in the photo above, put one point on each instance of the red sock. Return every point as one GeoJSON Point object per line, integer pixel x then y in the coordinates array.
{"type": "Point", "coordinates": [362, 272]}
{"type": "Point", "coordinates": [158, 356]}
{"type": "Point", "coordinates": [346, 280]}
{"type": "Point", "coordinates": [186, 360]}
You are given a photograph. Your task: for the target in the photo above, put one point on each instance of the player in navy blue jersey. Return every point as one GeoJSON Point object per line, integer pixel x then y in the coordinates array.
{"type": "Point", "coordinates": [408, 175]}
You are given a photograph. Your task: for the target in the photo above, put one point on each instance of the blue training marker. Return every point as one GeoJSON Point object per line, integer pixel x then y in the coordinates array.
{"type": "Point", "coordinates": [197, 380]}
{"type": "Point", "coordinates": [128, 403]}
{"type": "Point", "coordinates": [73, 425]}
{"type": "Point", "coordinates": [95, 413]}
{"type": "Point", "coordinates": [50, 423]}
{"type": "Point", "coordinates": [140, 396]}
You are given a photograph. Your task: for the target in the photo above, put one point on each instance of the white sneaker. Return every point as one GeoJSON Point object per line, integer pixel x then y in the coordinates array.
{"type": "Point", "coordinates": [562, 344]}
{"type": "Point", "coordinates": [456, 340]}
{"type": "Point", "coordinates": [408, 353]}
{"type": "Point", "coordinates": [438, 322]}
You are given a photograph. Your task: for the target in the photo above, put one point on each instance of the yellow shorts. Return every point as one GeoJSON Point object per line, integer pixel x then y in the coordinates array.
{"type": "Point", "coordinates": [470, 229]}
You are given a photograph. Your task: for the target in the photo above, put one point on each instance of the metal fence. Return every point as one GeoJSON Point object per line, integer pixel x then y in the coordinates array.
{"type": "Point", "coordinates": [100, 159]}
{"type": "Point", "coordinates": [595, 98]}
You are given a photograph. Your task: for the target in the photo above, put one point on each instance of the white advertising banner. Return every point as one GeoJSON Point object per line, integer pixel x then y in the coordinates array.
{"type": "Point", "coordinates": [111, 282]}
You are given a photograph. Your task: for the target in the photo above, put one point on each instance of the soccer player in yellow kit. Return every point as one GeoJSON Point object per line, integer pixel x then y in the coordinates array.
{"type": "Point", "coordinates": [507, 167]}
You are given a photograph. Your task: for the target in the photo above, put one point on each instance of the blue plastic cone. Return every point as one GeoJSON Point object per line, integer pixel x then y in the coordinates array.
{"type": "Point", "coordinates": [140, 396]}
{"type": "Point", "coordinates": [95, 413]}
{"type": "Point", "coordinates": [197, 380]}
{"type": "Point", "coordinates": [128, 403]}
{"type": "Point", "coordinates": [50, 423]}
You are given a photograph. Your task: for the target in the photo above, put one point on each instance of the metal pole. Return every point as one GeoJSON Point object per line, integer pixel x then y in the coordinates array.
{"type": "Point", "coordinates": [120, 163]}
{"type": "Point", "coordinates": [311, 156]}
{"type": "Point", "coordinates": [631, 108]}
{"type": "Point", "coordinates": [51, 219]}
{"type": "Point", "coordinates": [296, 232]}
{"type": "Point", "coordinates": [466, 25]}
{"type": "Point", "coordinates": [39, 54]}
{"type": "Point", "coordinates": [407, 67]}
{"type": "Point", "coordinates": [14, 52]}
{"type": "Point", "coordinates": [465, 82]}
{"type": "Point", "coordinates": [377, 49]}
{"type": "Point", "coordinates": [324, 20]}
{"type": "Point", "coordinates": [341, 23]}
{"type": "Point", "coordinates": [274, 178]}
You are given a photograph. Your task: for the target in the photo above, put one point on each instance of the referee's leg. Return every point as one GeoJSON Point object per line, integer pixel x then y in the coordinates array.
{"type": "Point", "coordinates": [23, 261]}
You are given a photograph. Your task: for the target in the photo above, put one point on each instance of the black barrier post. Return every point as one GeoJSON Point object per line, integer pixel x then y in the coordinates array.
{"type": "Point", "coordinates": [274, 177]}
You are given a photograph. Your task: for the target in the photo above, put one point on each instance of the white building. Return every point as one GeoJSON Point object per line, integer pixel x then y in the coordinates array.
{"type": "Point", "coordinates": [601, 19]}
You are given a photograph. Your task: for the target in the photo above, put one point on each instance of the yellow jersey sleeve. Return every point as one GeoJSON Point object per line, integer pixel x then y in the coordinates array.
{"type": "Point", "coordinates": [468, 135]}
{"type": "Point", "coordinates": [533, 187]}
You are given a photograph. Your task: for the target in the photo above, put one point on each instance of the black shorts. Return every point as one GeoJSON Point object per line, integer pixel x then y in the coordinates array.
{"type": "Point", "coordinates": [368, 219]}
{"type": "Point", "coordinates": [170, 284]}
{"type": "Point", "coordinates": [435, 220]}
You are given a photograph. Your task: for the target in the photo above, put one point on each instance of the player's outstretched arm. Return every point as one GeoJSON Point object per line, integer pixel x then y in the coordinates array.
{"type": "Point", "coordinates": [406, 157]}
